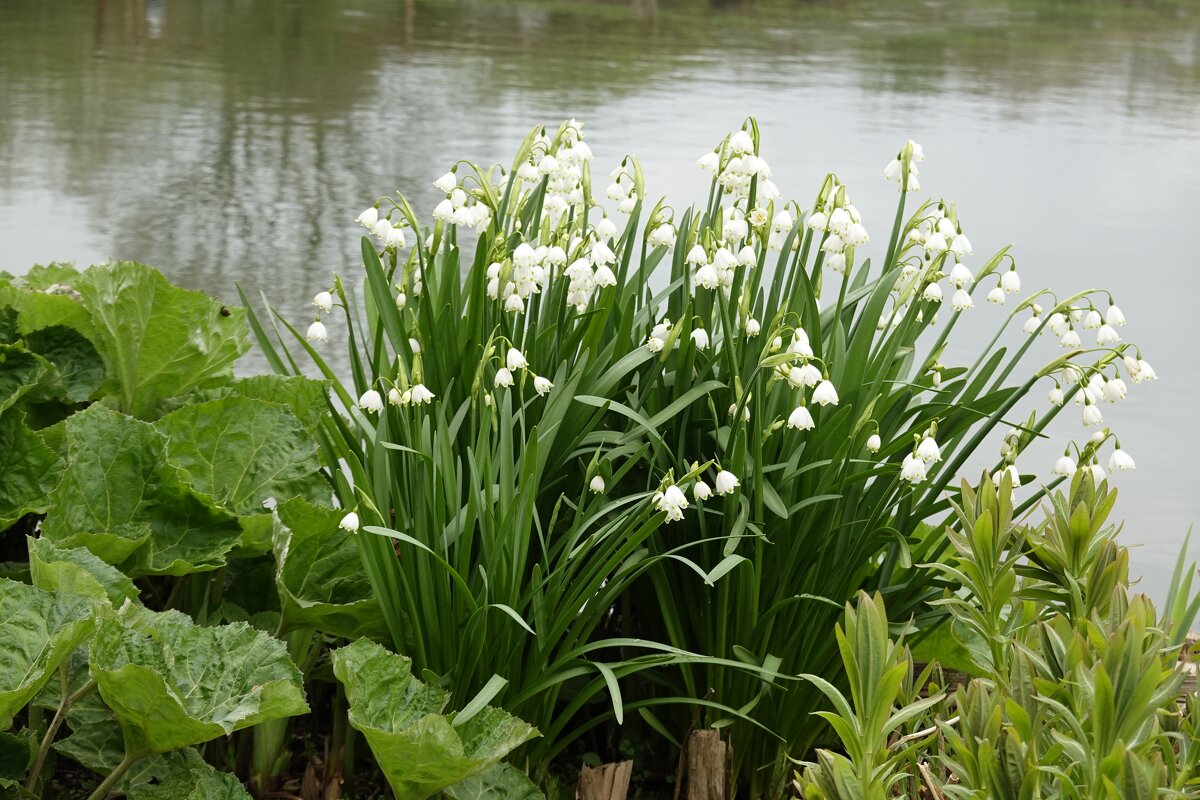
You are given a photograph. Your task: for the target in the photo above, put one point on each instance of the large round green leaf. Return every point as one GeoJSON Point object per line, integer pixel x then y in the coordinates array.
{"type": "Point", "coordinates": [121, 498]}
{"type": "Point", "coordinates": [171, 683]}
{"type": "Point", "coordinates": [243, 452]}
{"type": "Point", "coordinates": [157, 340]}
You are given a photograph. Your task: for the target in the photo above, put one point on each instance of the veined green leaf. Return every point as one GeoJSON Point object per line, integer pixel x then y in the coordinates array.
{"type": "Point", "coordinates": [77, 370]}
{"type": "Point", "coordinates": [78, 571]}
{"type": "Point", "coordinates": [500, 782]}
{"type": "Point", "coordinates": [171, 683]}
{"type": "Point", "coordinates": [120, 498]}
{"type": "Point", "coordinates": [243, 452]}
{"type": "Point", "coordinates": [184, 775]}
{"type": "Point", "coordinates": [418, 749]}
{"type": "Point", "coordinates": [20, 371]}
{"type": "Point", "coordinates": [39, 630]}
{"type": "Point", "coordinates": [157, 340]}
{"type": "Point", "coordinates": [16, 756]}
{"type": "Point", "coordinates": [304, 397]}
{"type": "Point", "coordinates": [319, 574]}
{"type": "Point", "coordinates": [29, 469]}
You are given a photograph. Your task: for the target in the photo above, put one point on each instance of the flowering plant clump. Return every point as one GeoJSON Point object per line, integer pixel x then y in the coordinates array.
{"type": "Point", "coordinates": [717, 420]}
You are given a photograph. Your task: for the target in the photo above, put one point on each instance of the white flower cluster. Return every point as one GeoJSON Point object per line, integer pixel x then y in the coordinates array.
{"type": "Point", "coordinates": [735, 165]}
{"type": "Point", "coordinates": [718, 270]}
{"type": "Point", "coordinates": [894, 171]}
{"type": "Point", "coordinates": [940, 239]}
{"type": "Point", "coordinates": [1067, 323]}
{"type": "Point", "coordinates": [461, 209]}
{"type": "Point", "coordinates": [575, 245]}
{"type": "Point", "coordinates": [593, 269]}
{"type": "Point", "coordinates": [372, 402]}
{"type": "Point", "coordinates": [317, 332]}
{"type": "Point", "coordinates": [390, 236]}
{"type": "Point", "coordinates": [1119, 460]}
{"type": "Point", "coordinates": [1094, 384]}
{"type": "Point", "coordinates": [672, 501]}
{"type": "Point", "coordinates": [562, 169]}
{"type": "Point", "coordinates": [530, 269]}
{"type": "Point", "coordinates": [803, 374]}
{"type": "Point", "coordinates": [842, 225]}
{"type": "Point", "coordinates": [622, 190]}
{"type": "Point", "coordinates": [514, 361]}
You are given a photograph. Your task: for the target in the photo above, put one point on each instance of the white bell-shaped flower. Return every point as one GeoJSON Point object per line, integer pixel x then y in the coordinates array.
{"type": "Point", "coordinates": [960, 276]}
{"type": "Point", "coordinates": [317, 332]}
{"type": "Point", "coordinates": [1070, 339]}
{"type": "Point", "coordinates": [1114, 389]}
{"type": "Point", "coordinates": [672, 501]}
{"type": "Point", "coordinates": [368, 218]}
{"type": "Point", "coordinates": [1065, 466]}
{"type": "Point", "coordinates": [1013, 473]}
{"type": "Point", "coordinates": [323, 301]}
{"type": "Point", "coordinates": [800, 419]}
{"type": "Point", "coordinates": [515, 359]}
{"type": "Point", "coordinates": [726, 482]}
{"type": "Point", "coordinates": [371, 402]}
{"type": "Point", "coordinates": [1120, 461]}
{"type": "Point", "coordinates": [1107, 335]}
{"type": "Point", "coordinates": [912, 469]}
{"type": "Point", "coordinates": [825, 394]}
{"type": "Point", "coordinates": [1010, 282]}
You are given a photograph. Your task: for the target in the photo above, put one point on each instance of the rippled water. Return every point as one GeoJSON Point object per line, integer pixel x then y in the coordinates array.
{"type": "Point", "coordinates": [232, 141]}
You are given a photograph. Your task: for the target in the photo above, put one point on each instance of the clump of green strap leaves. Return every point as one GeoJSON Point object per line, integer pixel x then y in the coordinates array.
{"type": "Point", "coordinates": [154, 488]}
{"type": "Point", "coordinates": [488, 553]}
{"type": "Point", "coordinates": [1074, 680]}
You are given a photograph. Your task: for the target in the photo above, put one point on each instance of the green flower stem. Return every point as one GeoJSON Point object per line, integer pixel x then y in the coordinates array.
{"type": "Point", "coordinates": [59, 716]}
{"type": "Point", "coordinates": [110, 782]}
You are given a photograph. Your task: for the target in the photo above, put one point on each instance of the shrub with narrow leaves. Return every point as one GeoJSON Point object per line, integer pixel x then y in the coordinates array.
{"type": "Point", "coordinates": [1085, 701]}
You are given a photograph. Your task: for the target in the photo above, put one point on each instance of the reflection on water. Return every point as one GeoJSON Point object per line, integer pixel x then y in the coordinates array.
{"type": "Point", "coordinates": [232, 141]}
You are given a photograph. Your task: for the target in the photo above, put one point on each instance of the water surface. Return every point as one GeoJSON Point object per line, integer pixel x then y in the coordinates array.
{"type": "Point", "coordinates": [233, 141]}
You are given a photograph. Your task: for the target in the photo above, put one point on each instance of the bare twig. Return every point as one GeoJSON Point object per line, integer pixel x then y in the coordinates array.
{"type": "Point", "coordinates": [930, 784]}
{"type": "Point", "coordinates": [921, 734]}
